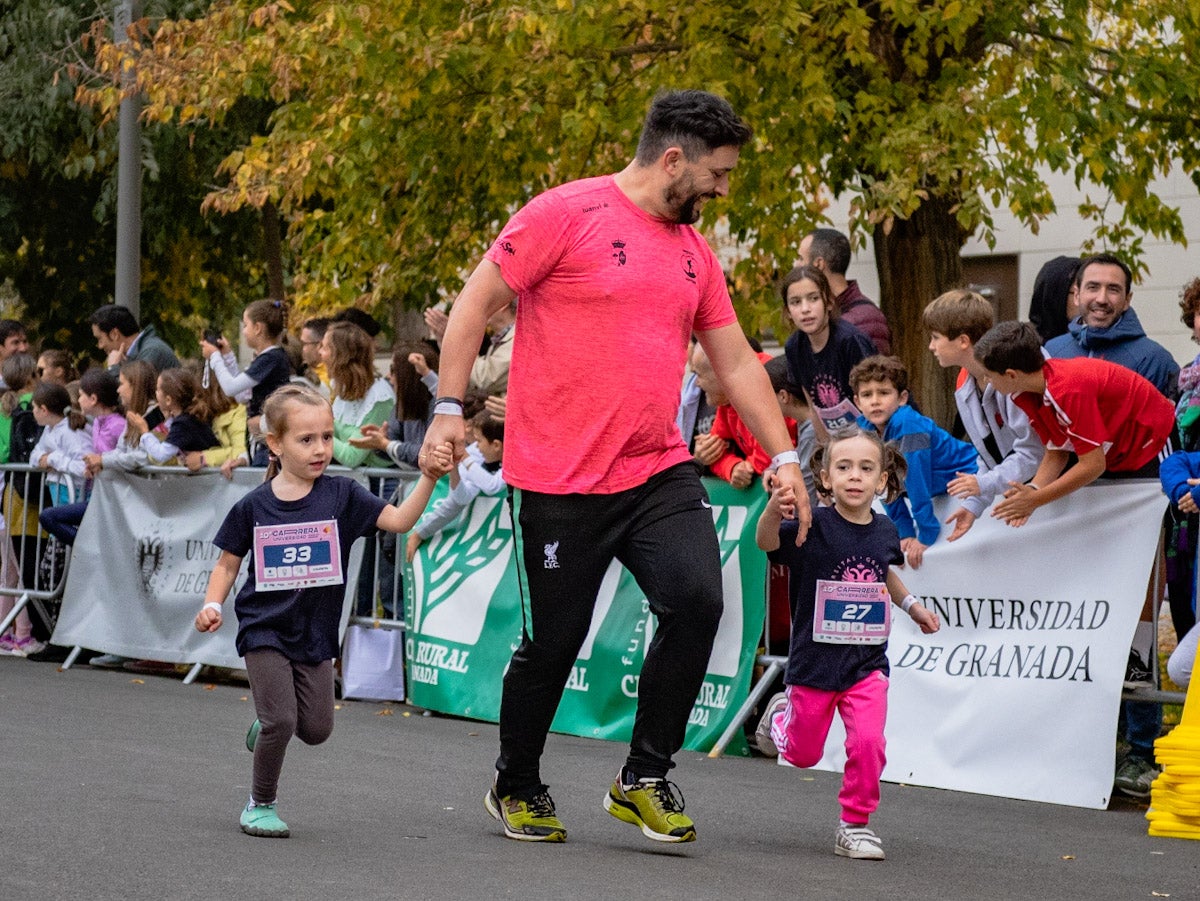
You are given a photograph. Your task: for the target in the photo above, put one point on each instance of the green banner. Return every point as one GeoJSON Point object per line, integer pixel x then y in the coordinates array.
{"type": "Point", "coordinates": [463, 609]}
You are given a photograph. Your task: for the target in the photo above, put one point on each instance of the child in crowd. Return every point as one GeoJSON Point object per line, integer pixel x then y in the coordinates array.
{"type": "Point", "coordinates": [17, 371]}
{"type": "Point", "coordinates": [137, 384]}
{"type": "Point", "coordinates": [479, 473]}
{"type": "Point", "coordinates": [823, 350]}
{"type": "Point", "coordinates": [263, 324]}
{"type": "Point", "coordinates": [55, 366]}
{"type": "Point", "coordinates": [1008, 449]}
{"type": "Point", "coordinates": [934, 456]}
{"type": "Point", "coordinates": [187, 429]}
{"type": "Point", "coordinates": [1180, 477]}
{"type": "Point", "coordinates": [287, 624]}
{"type": "Point", "coordinates": [63, 443]}
{"type": "Point", "coordinates": [1116, 422]}
{"type": "Point", "coordinates": [716, 451]}
{"type": "Point", "coordinates": [100, 403]}
{"type": "Point", "coordinates": [794, 406]}
{"type": "Point", "coordinates": [413, 377]}
{"type": "Point", "coordinates": [228, 424]}
{"type": "Point", "coordinates": [360, 398]}
{"type": "Point", "coordinates": [844, 563]}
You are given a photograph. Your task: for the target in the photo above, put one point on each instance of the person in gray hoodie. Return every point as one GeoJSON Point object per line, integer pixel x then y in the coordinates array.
{"type": "Point", "coordinates": [1108, 328]}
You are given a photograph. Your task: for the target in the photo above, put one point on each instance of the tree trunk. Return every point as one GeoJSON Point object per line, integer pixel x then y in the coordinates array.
{"type": "Point", "coordinates": [273, 251]}
{"type": "Point", "coordinates": [918, 260]}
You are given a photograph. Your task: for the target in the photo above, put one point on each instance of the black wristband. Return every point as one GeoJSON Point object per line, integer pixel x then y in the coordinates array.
{"type": "Point", "coordinates": [448, 400]}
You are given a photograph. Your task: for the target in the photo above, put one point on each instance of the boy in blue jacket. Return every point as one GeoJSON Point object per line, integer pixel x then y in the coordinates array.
{"type": "Point", "coordinates": [934, 456]}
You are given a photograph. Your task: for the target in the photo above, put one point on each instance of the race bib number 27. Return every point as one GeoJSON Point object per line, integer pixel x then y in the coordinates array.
{"type": "Point", "coordinates": [299, 555]}
{"type": "Point", "coordinates": [852, 612]}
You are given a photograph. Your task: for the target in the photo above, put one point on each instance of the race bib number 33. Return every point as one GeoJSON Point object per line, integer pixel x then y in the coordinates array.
{"type": "Point", "coordinates": [852, 612]}
{"type": "Point", "coordinates": [299, 555]}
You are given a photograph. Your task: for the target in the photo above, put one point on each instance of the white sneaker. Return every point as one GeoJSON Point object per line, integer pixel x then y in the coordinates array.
{"type": "Point", "coordinates": [857, 842]}
{"type": "Point", "coordinates": [762, 735]}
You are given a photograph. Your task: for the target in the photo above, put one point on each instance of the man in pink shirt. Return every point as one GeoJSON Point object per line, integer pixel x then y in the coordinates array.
{"type": "Point", "coordinates": [610, 280]}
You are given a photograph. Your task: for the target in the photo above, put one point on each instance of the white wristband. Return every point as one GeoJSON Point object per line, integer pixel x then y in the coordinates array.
{"type": "Point", "coordinates": [783, 458]}
{"type": "Point", "coordinates": [212, 605]}
{"type": "Point", "coordinates": [446, 408]}
{"type": "Point", "coordinates": [908, 602]}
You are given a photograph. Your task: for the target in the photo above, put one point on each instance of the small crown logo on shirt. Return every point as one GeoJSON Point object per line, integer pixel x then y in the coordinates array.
{"type": "Point", "coordinates": [619, 255]}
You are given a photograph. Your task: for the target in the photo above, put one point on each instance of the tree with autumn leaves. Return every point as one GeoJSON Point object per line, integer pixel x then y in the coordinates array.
{"type": "Point", "coordinates": [403, 134]}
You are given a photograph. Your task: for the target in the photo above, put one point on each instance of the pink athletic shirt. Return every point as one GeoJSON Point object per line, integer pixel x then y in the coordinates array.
{"type": "Point", "coordinates": [607, 297]}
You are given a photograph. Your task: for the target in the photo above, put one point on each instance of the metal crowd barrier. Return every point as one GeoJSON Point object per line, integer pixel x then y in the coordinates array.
{"type": "Point", "coordinates": [379, 602]}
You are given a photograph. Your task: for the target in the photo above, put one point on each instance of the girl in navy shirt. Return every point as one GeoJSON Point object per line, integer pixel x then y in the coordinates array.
{"type": "Point", "coordinates": [842, 588]}
{"type": "Point", "coordinates": [299, 526]}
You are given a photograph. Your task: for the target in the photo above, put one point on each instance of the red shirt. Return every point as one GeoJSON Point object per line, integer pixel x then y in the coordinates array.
{"type": "Point", "coordinates": [727, 424]}
{"type": "Point", "coordinates": [1091, 403]}
{"type": "Point", "coordinates": [607, 298]}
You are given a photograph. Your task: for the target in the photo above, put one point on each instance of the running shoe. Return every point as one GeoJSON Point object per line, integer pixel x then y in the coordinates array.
{"type": "Point", "coordinates": [857, 842]}
{"type": "Point", "coordinates": [653, 805]}
{"type": "Point", "coordinates": [262, 820]}
{"type": "Point", "coordinates": [531, 820]}
{"type": "Point", "coordinates": [762, 735]}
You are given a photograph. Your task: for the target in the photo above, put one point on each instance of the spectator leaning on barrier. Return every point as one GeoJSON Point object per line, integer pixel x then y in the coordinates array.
{"type": "Point", "coordinates": [359, 396]}
{"type": "Point", "coordinates": [187, 424]}
{"type": "Point", "coordinates": [228, 424]}
{"type": "Point", "coordinates": [404, 432]}
{"type": "Point", "coordinates": [829, 250]}
{"type": "Point", "coordinates": [119, 336]}
{"type": "Point", "coordinates": [1008, 449]}
{"type": "Point", "coordinates": [597, 467]}
{"type": "Point", "coordinates": [934, 457]}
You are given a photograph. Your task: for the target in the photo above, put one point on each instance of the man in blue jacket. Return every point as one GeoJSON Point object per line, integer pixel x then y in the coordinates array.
{"type": "Point", "coordinates": [1109, 329]}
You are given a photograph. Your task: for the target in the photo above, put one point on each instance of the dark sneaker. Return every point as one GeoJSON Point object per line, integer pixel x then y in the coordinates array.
{"type": "Point", "coordinates": [1137, 673]}
{"type": "Point", "coordinates": [262, 820]}
{"type": "Point", "coordinates": [527, 821]}
{"type": "Point", "coordinates": [857, 842]}
{"type": "Point", "coordinates": [762, 735]}
{"type": "Point", "coordinates": [252, 735]}
{"type": "Point", "coordinates": [1135, 776]}
{"type": "Point", "coordinates": [653, 805]}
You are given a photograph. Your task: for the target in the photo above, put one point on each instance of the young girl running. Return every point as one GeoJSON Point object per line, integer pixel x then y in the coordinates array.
{"type": "Point", "coordinates": [840, 584]}
{"type": "Point", "coordinates": [823, 349]}
{"type": "Point", "coordinates": [263, 322]}
{"type": "Point", "coordinates": [299, 525]}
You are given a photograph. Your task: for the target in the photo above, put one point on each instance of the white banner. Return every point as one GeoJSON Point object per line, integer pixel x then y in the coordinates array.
{"type": "Point", "coordinates": [140, 568]}
{"type": "Point", "coordinates": [1017, 695]}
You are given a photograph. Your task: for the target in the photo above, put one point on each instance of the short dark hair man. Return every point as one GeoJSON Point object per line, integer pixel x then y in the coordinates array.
{"type": "Point", "coordinates": [597, 466]}
{"type": "Point", "coordinates": [829, 250]}
{"type": "Point", "coordinates": [119, 336]}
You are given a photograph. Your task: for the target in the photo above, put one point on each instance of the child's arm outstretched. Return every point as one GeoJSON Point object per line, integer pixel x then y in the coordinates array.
{"type": "Point", "coordinates": [781, 505]}
{"type": "Point", "coordinates": [1049, 483]}
{"type": "Point", "coordinates": [223, 576]}
{"type": "Point", "coordinates": [925, 618]}
{"type": "Point", "coordinates": [403, 517]}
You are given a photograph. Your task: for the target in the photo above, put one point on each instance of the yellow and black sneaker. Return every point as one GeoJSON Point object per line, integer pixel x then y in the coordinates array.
{"type": "Point", "coordinates": [527, 820]}
{"type": "Point", "coordinates": [653, 805]}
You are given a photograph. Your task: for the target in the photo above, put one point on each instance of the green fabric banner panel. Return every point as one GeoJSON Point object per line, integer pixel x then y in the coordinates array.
{"type": "Point", "coordinates": [463, 608]}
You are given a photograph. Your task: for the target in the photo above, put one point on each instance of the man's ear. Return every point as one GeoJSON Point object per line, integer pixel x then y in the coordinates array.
{"type": "Point", "coordinates": [672, 159]}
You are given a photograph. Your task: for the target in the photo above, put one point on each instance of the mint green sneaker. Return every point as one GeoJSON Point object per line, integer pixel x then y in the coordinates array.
{"type": "Point", "coordinates": [252, 735]}
{"type": "Point", "coordinates": [653, 805]}
{"type": "Point", "coordinates": [527, 821]}
{"type": "Point", "coordinates": [262, 820]}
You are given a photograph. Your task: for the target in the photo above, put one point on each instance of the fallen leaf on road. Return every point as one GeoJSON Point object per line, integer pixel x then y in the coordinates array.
{"type": "Point", "coordinates": [1067, 857]}
{"type": "Point", "coordinates": [138, 681]}
{"type": "Point", "coordinates": [210, 688]}
{"type": "Point", "coordinates": [386, 711]}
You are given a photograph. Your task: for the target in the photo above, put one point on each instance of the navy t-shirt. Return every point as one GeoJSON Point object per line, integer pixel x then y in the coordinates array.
{"type": "Point", "coordinates": [271, 369]}
{"type": "Point", "coordinates": [301, 623]}
{"type": "Point", "coordinates": [189, 434]}
{"type": "Point", "coordinates": [825, 375]}
{"type": "Point", "coordinates": [843, 551]}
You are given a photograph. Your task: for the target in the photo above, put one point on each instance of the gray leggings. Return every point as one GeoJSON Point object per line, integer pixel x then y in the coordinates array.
{"type": "Point", "coordinates": [290, 699]}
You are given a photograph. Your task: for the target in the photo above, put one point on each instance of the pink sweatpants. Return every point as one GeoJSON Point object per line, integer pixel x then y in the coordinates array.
{"type": "Point", "coordinates": [800, 731]}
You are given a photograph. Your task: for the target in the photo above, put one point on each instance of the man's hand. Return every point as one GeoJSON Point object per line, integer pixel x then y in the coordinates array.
{"type": "Point", "coordinates": [963, 519]}
{"type": "Point", "coordinates": [446, 429]}
{"type": "Point", "coordinates": [963, 485]}
{"type": "Point", "coordinates": [790, 476]}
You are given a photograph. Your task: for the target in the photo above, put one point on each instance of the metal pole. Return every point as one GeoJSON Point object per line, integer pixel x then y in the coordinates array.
{"type": "Point", "coordinates": [127, 292]}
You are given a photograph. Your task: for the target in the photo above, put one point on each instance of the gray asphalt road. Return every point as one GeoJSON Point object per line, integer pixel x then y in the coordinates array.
{"type": "Point", "coordinates": [121, 786]}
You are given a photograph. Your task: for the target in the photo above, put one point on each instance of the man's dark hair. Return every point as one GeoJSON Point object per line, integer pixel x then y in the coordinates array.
{"type": "Point", "coordinates": [697, 122]}
{"type": "Point", "coordinates": [111, 316]}
{"type": "Point", "coordinates": [317, 325]}
{"type": "Point", "coordinates": [1106, 259]}
{"type": "Point", "coordinates": [833, 247]}
{"type": "Point", "coordinates": [1010, 345]}
{"type": "Point", "coordinates": [363, 320]}
{"type": "Point", "coordinates": [10, 327]}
